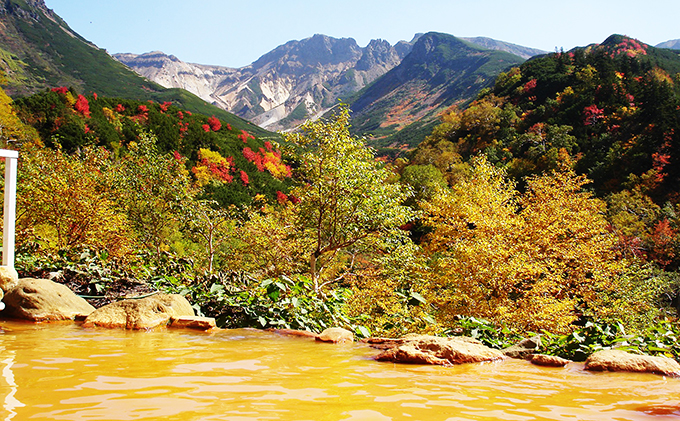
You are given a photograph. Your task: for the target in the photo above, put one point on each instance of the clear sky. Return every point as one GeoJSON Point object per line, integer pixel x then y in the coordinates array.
{"type": "Point", "coordinates": [236, 33]}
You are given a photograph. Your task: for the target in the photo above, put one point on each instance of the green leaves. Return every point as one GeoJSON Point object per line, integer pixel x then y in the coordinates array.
{"type": "Point", "coordinates": [345, 198]}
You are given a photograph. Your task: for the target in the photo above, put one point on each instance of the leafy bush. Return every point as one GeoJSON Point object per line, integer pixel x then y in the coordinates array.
{"type": "Point", "coordinates": [236, 300]}
{"type": "Point", "coordinates": [660, 339]}
{"type": "Point", "coordinates": [485, 332]}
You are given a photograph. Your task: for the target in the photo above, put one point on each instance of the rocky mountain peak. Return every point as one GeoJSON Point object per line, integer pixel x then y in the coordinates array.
{"type": "Point", "coordinates": [293, 82]}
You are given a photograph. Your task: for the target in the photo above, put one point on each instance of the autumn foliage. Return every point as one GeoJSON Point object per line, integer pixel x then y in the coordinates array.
{"type": "Point", "coordinates": [536, 260]}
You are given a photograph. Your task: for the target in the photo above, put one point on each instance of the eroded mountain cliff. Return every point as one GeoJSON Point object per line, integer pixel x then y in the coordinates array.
{"type": "Point", "coordinates": [295, 81]}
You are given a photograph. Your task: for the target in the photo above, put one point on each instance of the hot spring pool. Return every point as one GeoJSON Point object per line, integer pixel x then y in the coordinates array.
{"type": "Point", "coordinates": [65, 372]}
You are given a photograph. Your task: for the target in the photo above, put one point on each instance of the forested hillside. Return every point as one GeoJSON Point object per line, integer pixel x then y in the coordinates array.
{"type": "Point", "coordinates": [612, 108]}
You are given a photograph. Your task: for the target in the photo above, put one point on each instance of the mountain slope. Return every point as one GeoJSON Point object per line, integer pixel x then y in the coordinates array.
{"type": "Point", "coordinates": [38, 50]}
{"type": "Point", "coordinates": [295, 81]}
{"type": "Point", "coordinates": [673, 44]}
{"type": "Point", "coordinates": [401, 107]}
{"type": "Point", "coordinates": [612, 106]}
{"type": "Point", "coordinates": [518, 50]}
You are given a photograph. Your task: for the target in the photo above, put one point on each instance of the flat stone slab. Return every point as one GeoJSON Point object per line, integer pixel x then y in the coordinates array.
{"type": "Point", "coordinates": [193, 322]}
{"type": "Point", "coordinates": [615, 360]}
{"type": "Point", "coordinates": [42, 300]}
{"type": "Point", "coordinates": [425, 349]}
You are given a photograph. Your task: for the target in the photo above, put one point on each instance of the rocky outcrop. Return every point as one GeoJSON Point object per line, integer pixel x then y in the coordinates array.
{"type": "Point", "coordinates": [9, 278]}
{"type": "Point", "coordinates": [336, 335]}
{"type": "Point", "coordinates": [524, 349]}
{"type": "Point", "coordinates": [41, 300]}
{"type": "Point", "coordinates": [615, 360]}
{"type": "Point", "coordinates": [423, 349]}
{"type": "Point", "coordinates": [548, 360]}
{"type": "Point", "coordinates": [145, 313]}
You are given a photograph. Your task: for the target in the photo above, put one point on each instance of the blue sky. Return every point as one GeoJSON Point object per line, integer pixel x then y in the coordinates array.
{"type": "Point", "coordinates": [236, 33]}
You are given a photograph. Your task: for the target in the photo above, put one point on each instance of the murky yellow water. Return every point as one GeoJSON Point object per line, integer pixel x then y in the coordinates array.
{"type": "Point", "coordinates": [64, 372]}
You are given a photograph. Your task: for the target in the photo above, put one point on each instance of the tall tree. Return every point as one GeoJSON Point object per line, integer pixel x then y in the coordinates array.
{"type": "Point", "coordinates": [534, 261]}
{"type": "Point", "coordinates": [345, 197]}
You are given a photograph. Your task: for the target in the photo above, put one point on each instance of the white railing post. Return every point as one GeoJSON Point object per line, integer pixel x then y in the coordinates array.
{"type": "Point", "coordinates": [10, 206]}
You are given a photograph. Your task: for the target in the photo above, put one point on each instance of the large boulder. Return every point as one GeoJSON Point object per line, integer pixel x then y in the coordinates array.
{"type": "Point", "coordinates": [144, 313]}
{"type": "Point", "coordinates": [42, 300]}
{"type": "Point", "coordinates": [615, 360]}
{"type": "Point", "coordinates": [336, 335]}
{"type": "Point", "coordinates": [423, 349]}
{"type": "Point", "coordinates": [9, 278]}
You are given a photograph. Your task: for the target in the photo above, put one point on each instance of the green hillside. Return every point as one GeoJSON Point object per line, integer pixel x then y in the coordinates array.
{"type": "Point", "coordinates": [39, 51]}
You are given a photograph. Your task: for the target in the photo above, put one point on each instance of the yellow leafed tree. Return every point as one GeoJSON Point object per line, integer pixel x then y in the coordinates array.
{"type": "Point", "coordinates": [533, 261]}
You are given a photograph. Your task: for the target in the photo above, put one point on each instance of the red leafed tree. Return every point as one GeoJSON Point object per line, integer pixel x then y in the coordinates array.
{"type": "Point", "coordinates": [592, 114]}
{"type": "Point", "coordinates": [663, 243]}
{"type": "Point", "coordinates": [244, 136]}
{"type": "Point", "coordinates": [244, 178]}
{"type": "Point", "coordinates": [82, 106]}
{"type": "Point", "coordinates": [214, 123]}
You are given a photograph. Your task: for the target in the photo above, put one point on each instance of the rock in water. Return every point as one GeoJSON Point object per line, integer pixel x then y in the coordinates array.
{"type": "Point", "coordinates": [615, 360]}
{"type": "Point", "coordinates": [423, 349]}
{"type": "Point", "coordinates": [144, 313]}
{"type": "Point", "coordinates": [548, 360]}
{"type": "Point", "coordinates": [335, 335]}
{"type": "Point", "coordinates": [9, 278]}
{"type": "Point", "coordinates": [523, 349]}
{"type": "Point", "coordinates": [41, 300]}
{"type": "Point", "coordinates": [193, 322]}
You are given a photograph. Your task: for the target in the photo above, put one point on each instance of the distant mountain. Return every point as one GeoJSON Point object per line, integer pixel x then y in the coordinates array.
{"type": "Point", "coordinates": [672, 44]}
{"type": "Point", "coordinates": [38, 50]}
{"type": "Point", "coordinates": [401, 107]}
{"type": "Point", "coordinates": [518, 50]}
{"type": "Point", "coordinates": [295, 81]}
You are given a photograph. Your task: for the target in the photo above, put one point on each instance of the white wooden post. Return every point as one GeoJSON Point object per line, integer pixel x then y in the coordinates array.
{"type": "Point", "coordinates": [10, 206]}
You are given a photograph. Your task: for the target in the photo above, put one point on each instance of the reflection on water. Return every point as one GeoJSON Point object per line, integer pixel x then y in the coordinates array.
{"type": "Point", "coordinates": [64, 372]}
{"type": "Point", "coordinates": [10, 403]}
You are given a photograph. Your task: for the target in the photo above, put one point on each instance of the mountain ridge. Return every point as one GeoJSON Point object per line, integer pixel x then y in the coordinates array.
{"type": "Point", "coordinates": [294, 81]}
{"type": "Point", "coordinates": [441, 71]}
